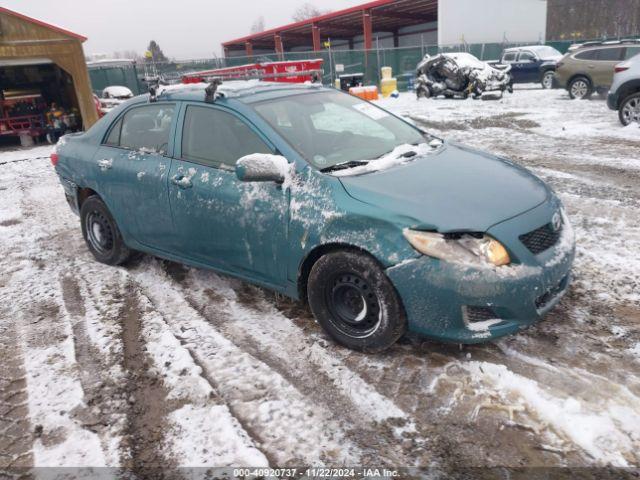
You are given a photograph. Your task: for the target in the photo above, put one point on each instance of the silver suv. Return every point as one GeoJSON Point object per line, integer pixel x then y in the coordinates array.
{"type": "Point", "coordinates": [624, 95]}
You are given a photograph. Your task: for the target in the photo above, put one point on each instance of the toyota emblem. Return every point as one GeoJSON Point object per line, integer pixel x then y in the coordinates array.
{"type": "Point", "coordinates": [556, 222]}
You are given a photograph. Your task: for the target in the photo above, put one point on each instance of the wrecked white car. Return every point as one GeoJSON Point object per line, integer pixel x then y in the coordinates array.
{"type": "Point", "coordinates": [460, 75]}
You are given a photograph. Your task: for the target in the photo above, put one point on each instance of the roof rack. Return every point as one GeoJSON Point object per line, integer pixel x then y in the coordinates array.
{"type": "Point", "coordinates": [625, 41]}
{"type": "Point", "coordinates": [212, 92]}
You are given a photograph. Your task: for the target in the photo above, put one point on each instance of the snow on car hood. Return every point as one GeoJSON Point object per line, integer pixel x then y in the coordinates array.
{"type": "Point", "coordinates": [453, 189]}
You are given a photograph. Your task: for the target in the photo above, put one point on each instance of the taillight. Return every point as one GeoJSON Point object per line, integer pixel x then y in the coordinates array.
{"type": "Point", "coordinates": [620, 69]}
{"type": "Point", "coordinates": [54, 158]}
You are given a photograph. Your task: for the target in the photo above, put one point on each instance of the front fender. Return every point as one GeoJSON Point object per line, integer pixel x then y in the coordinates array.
{"type": "Point", "coordinates": [322, 213]}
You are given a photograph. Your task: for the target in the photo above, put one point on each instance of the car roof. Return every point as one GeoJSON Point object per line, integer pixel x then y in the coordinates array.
{"type": "Point", "coordinates": [246, 91]}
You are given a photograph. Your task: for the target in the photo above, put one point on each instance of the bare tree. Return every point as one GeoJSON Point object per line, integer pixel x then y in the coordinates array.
{"type": "Point", "coordinates": [307, 10]}
{"type": "Point", "coordinates": [258, 25]}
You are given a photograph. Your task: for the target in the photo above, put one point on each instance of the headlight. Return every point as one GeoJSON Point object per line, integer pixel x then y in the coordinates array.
{"type": "Point", "coordinates": [467, 249]}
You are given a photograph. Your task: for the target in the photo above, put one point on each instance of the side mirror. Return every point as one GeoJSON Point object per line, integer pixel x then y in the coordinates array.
{"type": "Point", "coordinates": [262, 167]}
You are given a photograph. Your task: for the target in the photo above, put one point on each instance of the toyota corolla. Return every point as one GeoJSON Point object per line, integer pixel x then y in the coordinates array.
{"type": "Point", "coordinates": [324, 198]}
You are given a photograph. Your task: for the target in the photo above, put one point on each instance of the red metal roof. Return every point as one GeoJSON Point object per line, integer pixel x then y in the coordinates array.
{"type": "Point", "coordinates": [387, 15]}
{"type": "Point", "coordinates": [43, 24]}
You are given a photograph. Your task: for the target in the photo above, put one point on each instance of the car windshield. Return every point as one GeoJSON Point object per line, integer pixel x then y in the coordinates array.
{"type": "Point", "coordinates": [546, 52]}
{"type": "Point", "coordinates": [329, 127]}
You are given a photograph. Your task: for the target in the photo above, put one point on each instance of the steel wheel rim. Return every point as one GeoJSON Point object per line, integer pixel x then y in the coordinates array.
{"type": "Point", "coordinates": [631, 111]}
{"type": "Point", "coordinates": [579, 88]}
{"type": "Point", "coordinates": [99, 232]}
{"type": "Point", "coordinates": [355, 309]}
{"type": "Point", "coordinates": [547, 80]}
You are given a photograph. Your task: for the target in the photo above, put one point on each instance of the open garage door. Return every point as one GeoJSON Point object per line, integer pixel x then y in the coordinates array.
{"type": "Point", "coordinates": [36, 96]}
{"type": "Point", "coordinates": [42, 66]}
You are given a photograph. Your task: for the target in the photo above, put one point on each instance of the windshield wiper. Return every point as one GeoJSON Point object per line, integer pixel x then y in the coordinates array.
{"type": "Point", "coordinates": [344, 165]}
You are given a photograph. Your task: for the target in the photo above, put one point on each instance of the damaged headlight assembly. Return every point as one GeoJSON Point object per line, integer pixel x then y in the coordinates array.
{"type": "Point", "coordinates": [470, 249]}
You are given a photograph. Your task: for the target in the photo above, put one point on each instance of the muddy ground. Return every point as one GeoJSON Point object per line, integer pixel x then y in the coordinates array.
{"type": "Point", "coordinates": [157, 364]}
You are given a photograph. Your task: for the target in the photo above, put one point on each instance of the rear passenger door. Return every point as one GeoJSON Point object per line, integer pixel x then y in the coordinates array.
{"type": "Point", "coordinates": [219, 221]}
{"type": "Point", "coordinates": [132, 167]}
{"type": "Point", "coordinates": [606, 59]}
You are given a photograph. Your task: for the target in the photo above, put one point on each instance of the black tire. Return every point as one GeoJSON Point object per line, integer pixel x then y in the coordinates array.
{"type": "Point", "coordinates": [629, 110]}
{"type": "Point", "coordinates": [547, 79]}
{"type": "Point", "coordinates": [355, 302]}
{"type": "Point", "coordinates": [101, 233]}
{"type": "Point", "coordinates": [580, 88]}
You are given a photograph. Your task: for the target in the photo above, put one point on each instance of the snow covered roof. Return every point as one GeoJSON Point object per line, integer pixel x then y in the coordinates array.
{"type": "Point", "coordinates": [236, 88]}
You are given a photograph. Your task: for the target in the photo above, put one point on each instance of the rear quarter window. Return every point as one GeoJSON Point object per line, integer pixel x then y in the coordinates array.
{"type": "Point", "coordinates": [631, 52]}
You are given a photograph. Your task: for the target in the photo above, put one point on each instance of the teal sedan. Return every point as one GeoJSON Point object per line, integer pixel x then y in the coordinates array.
{"type": "Point", "coordinates": [323, 197]}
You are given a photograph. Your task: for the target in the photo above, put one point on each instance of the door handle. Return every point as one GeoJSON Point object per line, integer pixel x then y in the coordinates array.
{"type": "Point", "coordinates": [181, 181]}
{"type": "Point", "coordinates": [105, 164]}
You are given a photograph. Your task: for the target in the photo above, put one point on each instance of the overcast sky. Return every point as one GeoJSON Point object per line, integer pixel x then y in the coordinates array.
{"type": "Point", "coordinates": [183, 28]}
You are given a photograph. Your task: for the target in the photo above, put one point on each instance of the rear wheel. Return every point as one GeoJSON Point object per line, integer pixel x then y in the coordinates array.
{"type": "Point", "coordinates": [101, 233]}
{"type": "Point", "coordinates": [580, 87]}
{"type": "Point", "coordinates": [354, 301]}
{"type": "Point", "coordinates": [547, 79]}
{"type": "Point", "coordinates": [629, 111]}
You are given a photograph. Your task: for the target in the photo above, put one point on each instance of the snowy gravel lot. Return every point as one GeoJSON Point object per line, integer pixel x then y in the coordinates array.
{"type": "Point", "coordinates": [159, 364]}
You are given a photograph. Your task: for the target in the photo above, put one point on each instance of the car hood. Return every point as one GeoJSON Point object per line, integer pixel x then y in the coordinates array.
{"type": "Point", "coordinates": [453, 189]}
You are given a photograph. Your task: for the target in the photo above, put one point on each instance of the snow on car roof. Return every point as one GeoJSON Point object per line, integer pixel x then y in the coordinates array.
{"type": "Point", "coordinates": [237, 88]}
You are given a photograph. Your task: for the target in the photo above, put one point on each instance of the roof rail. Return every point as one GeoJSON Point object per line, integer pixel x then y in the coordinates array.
{"type": "Point", "coordinates": [596, 43]}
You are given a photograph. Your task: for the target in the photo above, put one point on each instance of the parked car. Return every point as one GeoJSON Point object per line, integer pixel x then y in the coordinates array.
{"type": "Point", "coordinates": [324, 197]}
{"type": "Point", "coordinates": [459, 74]}
{"type": "Point", "coordinates": [113, 96]}
{"type": "Point", "coordinates": [532, 64]}
{"type": "Point", "coordinates": [624, 95]}
{"type": "Point", "coordinates": [588, 68]}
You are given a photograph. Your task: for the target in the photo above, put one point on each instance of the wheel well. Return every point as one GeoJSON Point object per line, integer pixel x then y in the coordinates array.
{"type": "Point", "coordinates": [627, 90]}
{"type": "Point", "coordinates": [83, 194]}
{"type": "Point", "coordinates": [580, 75]}
{"type": "Point", "coordinates": [314, 255]}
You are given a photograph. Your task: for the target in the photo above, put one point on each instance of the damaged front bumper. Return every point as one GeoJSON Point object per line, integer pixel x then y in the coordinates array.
{"type": "Point", "coordinates": [461, 304]}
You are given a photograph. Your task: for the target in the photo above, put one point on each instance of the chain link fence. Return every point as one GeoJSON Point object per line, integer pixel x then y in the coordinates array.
{"type": "Point", "coordinates": [402, 60]}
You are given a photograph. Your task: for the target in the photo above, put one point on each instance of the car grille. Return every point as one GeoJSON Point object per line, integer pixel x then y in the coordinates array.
{"type": "Point", "coordinates": [541, 239]}
{"type": "Point", "coordinates": [544, 299]}
{"type": "Point", "coordinates": [479, 314]}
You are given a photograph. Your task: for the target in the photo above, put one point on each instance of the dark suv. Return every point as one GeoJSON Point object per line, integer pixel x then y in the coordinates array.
{"type": "Point", "coordinates": [532, 64]}
{"type": "Point", "coordinates": [589, 67]}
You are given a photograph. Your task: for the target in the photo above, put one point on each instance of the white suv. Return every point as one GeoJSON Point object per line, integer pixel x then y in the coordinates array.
{"type": "Point", "coordinates": [624, 94]}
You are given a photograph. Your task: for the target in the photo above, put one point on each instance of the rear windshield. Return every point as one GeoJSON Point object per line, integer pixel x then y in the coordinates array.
{"type": "Point", "coordinates": [330, 127]}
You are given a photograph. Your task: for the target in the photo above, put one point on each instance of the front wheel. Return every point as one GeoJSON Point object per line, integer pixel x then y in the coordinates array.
{"type": "Point", "coordinates": [547, 80]}
{"type": "Point", "coordinates": [101, 233]}
{"type": "Point", "coordinates": [580, 88]}
{"type": "Point", "coordinates": [355, 302]}
{"type": "Point", "coordinates": [629, 111]}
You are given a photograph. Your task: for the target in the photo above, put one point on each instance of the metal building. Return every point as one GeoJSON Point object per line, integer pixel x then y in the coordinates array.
{"type": "Point", "coordinates": [403, 23]}
{"type": "Point", "coordinates": [38, 57]}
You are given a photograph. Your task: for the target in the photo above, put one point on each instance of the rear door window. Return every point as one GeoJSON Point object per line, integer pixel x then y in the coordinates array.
{"type": "Point", "coordinates": [147, 128]}
{"type": "Point", "coordinates": [610, 54]}
{"type": "Point", "coordinates": [218, 139]}
{"type": "Point", "coordinates": [588, 55]}
{"type": "Point", "coordinates": [631, 52]}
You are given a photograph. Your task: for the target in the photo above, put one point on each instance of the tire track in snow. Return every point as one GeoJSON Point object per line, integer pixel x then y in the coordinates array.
{"type": "Point", "coordinates": [378, 426]}
{"type": "Point", "coordinates": [284, 425]}
{"type": "Point", "coordinates": [15, 429]}
{"type": "Point", "coordinates": [200, 430]}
